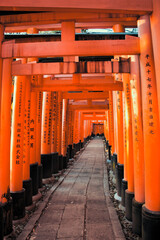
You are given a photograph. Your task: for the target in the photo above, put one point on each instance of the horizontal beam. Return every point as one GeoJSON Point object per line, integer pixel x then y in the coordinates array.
{"type": "Point", "coordinates": [85, 95]}
{"type": "Point", "coordinates": [92, 107]}
{"type": "Point", "coordinates": [69, 67]}
{"type": "Point", "coordinates": [88, 111]}
{"type": "Point", "coordinates": [94, 118]}
{"type": "Point", "coordinates": [127, 22]}
{"type": "Point", "coordinates": [67, 85]}
{"type": "Point", "coordinates": [50, 5]}
{"type": "Point", "coordinates": [71, 48]}
{"type": "Point", "coordinates": [55, 17]}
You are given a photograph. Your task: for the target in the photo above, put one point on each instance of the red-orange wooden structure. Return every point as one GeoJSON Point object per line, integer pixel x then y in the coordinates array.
{"type": "Point", "coordinates": [105, 85]}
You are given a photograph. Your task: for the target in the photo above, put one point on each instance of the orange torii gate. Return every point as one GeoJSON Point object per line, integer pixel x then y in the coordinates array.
{"type": "Point", "coordinates": [140, 97]}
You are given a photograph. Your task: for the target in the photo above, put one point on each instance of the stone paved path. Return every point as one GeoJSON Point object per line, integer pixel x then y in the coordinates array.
{"type": "Point", "coordinates": [78, 208]}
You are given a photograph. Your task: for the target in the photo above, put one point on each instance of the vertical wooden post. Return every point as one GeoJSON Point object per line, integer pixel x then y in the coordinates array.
{"type": "Point", "coordinates": [38, 133]}
{"type": "Point", "coordinates": [54, 153]}
{"type": "Point", "coordinates": [33, 160]}
{"type": "Point", "coordinates": [46, 159]}
{"type": "Point", "coordinates": [129, 193]}
{"type": "Point", "coordinates": [33, 117]}
{"type": "Point", "coordinates": [119, 113]}
{"type": "Point", "coordinates": [64, 131]}
{"type": "Point", "coordinates": [59, 130]}
{"type": "Point", "coordinates": [27, 181]}
{"type": "Point", "coordinates": [115, 122]}
{"type": "Point", "coordinates": [1, 208]}
{"type": "Point", "coordinates": [16, 183]}
{"type": "Point", "coordinates": [138, 146]}
{"type": "Point", "coordinates": [5, 126]}
{"type": "Point", "coordinates": [125, 143]}
{"type": "Point", "coordinates": [151, 129]}
{"type": "Point", "coordinates": [155, 23]}
{"type": "Point", "coordinates": [1, 39]}
{"type": "Point", "coordinates": [81, 129]}
{"type": "Point", "coordinates": [111, 124]}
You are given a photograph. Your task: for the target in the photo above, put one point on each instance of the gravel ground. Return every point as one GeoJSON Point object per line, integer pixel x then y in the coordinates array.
{"type": "Point", "coordinates": [126, 225]}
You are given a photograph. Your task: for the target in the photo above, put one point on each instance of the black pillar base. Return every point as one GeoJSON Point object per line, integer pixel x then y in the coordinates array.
{"type": "Point", "coordinates": [114, 163]}
{"type": "Point", "coordinates": [124, 187]}
{"type": "Point", "coordinates": [109, 151]}
{"type": "Point", "coordinates": [128, 204]}
{"type": "Point", "coordinates": [7, 209]}
{"type": "Point", "coordinates": [137, 217]}
{"type": "Point", "coordinates": [55, 162]}
{"type": "Point", "coordinates": [27, 185]}
{"type": "Point", "coordinates": [119, 177]}
{"type": "Point", "coordinates": [60, 157]}
{"type": "Point", "coordinates": [46, 161]}
{"type": "Point", "coordinates": [34, 177]}
{"type": "Point", "coordinates": [40, 175]}
{"type": "Point", "coordinates": [64, 162]}
{"type": "Point", "coordinates": [1, 223]}
{"type": "Point", "coordinates": [18, 204]}
{"type": "Point", "coordinates": [69, 150]}
{"type": "Point", "coordinates": [150, 224]}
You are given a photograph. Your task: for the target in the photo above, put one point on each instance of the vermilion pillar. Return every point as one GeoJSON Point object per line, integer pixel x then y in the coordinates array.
{"type": "Point", "coordinates": [46, 135]}
{"type": "Point", "coordinates": [38, 133]}
{"type": "Point", "coordinates": [27, 181]}
{"type": "Point", "coordinates": [125, 144]}
{"type": "Point", "coordinates": [151, 209]}
{"type": "Point", "coordinates": [33, 117]}
{"type": "Point", "coordinates": [5, 131]}
{"type": "Point", "coordinates": [64, 127]}
{"type": "Point", "coordinates": [119, 115]}
{"type": "Point", "coordinates": [16, 182]}
{"type": "Point", "coordinates": [54, 153]}
{"type": "Point", "coordinates": [115, 120]}
{"type": "Point", "coordinates": [111, 126]}
{"type": "Point", "coordinates": [69, 132]}
{"type": "Point", "coordinates": [59, 130]}
{"type": "Point", "coordinates": [138, 146]}
{"type": "Point", "coordinates": [33, 160]}
{"type": "Point", "coordinates": [155, 23]}
{"type": "Point", "coordinates": [1, 39]}
{"type": "Point", "coordinates": [81, 129]}
{"type": "Point", "coordinates": [129, 194]}
{"type": "Point", "coordinates": [120, 142]}
{"type": "Point", "coordinates": [64, 131]}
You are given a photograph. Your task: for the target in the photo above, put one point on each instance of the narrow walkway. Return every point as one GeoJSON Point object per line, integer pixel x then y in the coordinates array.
{"type": "Point", "coordinates": [79, 209]}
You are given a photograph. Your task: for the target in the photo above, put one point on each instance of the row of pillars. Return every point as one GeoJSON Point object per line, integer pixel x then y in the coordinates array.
{"type": "Point", "coordinates": [133, 133]}
{"type": "Point", "coordinates": [39, 133]}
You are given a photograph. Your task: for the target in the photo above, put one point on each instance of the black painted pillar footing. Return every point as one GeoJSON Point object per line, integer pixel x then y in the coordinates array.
{"type": "Point", "coordinates": [109, 152]}
{"type": "Point", "coordinates": [137, 217]}
{"type": "Point", "coordinates": [55, 162]}
{"type": "Point", "coordinates": [114, 163]}
{"type": "Point", "coordinates": [46, 161]}
{"type": "Point", "coordinates": [150, 224]}
{"type": "Point", "coordinates": [69, 150]}
{"type": "Point", "coordinates": [1, 223]}
{"type": "Point", "coordinates": [64, 162]}
{"type": "Point", "coordinates": [60, 157]}
{"type": "Point", "coordinates": [128, 204]}
{"type": "Point", "coordinates": [6, 217]}
{"type": "Point", "coordinates": [18, 204]}
{"type": "Point", "coordinates": [124, 187]}
{"type": "Point", "coordinates": [27, 185]}
{"type": "Point", "coordinates": [34, 177]}
{"type": "Point", "coordinates": [119, 177]}
{"type": "Point", "coordinates": [40, 175]}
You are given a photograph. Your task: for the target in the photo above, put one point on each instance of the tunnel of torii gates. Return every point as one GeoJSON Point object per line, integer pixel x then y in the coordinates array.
{"type": "Point", "coordinates": [58, 104]}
